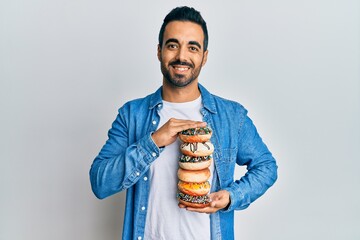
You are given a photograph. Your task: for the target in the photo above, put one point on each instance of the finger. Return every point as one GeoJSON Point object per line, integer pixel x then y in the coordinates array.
{"type": "Point", "coordinates": [178, 129]}
{"type": "Point", "coordinates": [183, 121]}
{"type": "Point", "coordinates": [207, 210]}
{"type": "Point", "coordinates": [200, 210]}
{"type": "Point", "coordinates": [189, 124]}
{"type": "Point", "coordinates": [216, 201]}
{"type": "Point", "coordinates": [181, 205]}
{"type": "Point", "coordinates": [185, 126]}
{"type": "Point", "coordinates": [186, 121]}
{"type": "Point", "coordinates": [214, 197]}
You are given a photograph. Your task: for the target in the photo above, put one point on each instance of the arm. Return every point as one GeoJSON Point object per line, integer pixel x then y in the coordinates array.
{"type": "Point", "coordinates": [261, 174]}
{"type": "Point", "coordinates": [119, 164]}
{"type": "Point", "coordinates": [261, 166]}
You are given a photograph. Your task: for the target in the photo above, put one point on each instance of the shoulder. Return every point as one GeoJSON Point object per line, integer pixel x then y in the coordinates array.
{"type": "Point", "coordinates": [229, 111]}
{"type": "Point", "coordinates": [137, 104]}
{"type": "Point", "coordinates": [222, 102]}
{"type": "Point", "coordinates": [217, 104]}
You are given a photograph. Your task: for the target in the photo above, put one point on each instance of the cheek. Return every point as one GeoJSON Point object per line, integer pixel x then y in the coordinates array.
{"type": "Point", "coordinates": [198, 61]}
{"type": "Point", "coordinates": [165, 59]}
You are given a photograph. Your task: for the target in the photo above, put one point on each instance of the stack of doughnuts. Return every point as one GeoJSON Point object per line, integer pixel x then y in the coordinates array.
{"type": "Point", "coordinates": [194, 165]}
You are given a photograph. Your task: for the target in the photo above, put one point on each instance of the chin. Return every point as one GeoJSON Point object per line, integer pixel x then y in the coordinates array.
{"type": "Point", "coordinates": [180, 83]}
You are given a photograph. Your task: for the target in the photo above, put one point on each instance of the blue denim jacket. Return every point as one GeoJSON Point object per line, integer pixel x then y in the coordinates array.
{"type": "Point", "coordinates": [125, 159]}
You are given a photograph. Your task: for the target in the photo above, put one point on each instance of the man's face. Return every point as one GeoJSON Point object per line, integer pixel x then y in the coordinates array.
{"type": "Point", "coordinates": [182, 53]}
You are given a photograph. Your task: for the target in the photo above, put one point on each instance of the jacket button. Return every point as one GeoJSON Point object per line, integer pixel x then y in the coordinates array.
{"type": "Point", "coordinates": [145, 178]}
{"type": "Point", "coordinates": [139, 238]}
{"type": "Point", "coordinates": [143, 208]}
{"type": "Point", "coordinates": [154, 122]}
{"type": "Point", "coordinates": [137, 174]}
{"type": "Point", "coordinates": [153, 154]}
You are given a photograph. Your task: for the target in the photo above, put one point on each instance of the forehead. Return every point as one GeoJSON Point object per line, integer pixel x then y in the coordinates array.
{"type": "Point", "coordinates": [184, 31]}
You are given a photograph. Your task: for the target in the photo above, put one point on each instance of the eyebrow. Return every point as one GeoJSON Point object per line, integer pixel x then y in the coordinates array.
{"type": "Point", "coordinates": [174, 40]}
{"type": "Point", "coordinates": [171, 40]}
{"type": "Point", "coordinates": [195, 43]}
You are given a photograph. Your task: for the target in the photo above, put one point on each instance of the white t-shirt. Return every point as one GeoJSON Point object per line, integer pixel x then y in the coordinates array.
{"type": "Point", "coordinates": [164, 219]}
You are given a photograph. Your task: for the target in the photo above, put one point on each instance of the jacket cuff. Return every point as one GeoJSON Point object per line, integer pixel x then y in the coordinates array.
{"type": "Point", "coordinates": [237, 199]}
{"type": "Point", "coordinates": [149, 150]}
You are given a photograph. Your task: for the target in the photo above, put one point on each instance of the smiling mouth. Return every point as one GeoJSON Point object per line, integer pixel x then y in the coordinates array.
{"type": "Point", "coordinates": [181, 68]}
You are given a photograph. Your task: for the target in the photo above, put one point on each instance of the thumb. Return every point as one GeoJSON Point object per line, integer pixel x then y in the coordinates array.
{"type": "Point", "coordinates": [214, 198]}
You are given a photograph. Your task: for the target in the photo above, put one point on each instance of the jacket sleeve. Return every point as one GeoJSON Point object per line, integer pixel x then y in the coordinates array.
{"type": "Point", "coordinates": [120, 164]}
{"type": "Point", "coordinates": [261, 168]}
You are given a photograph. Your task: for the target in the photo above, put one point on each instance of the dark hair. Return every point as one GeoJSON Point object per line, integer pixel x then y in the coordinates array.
{"type": "Point", "coordinates": [184, 14]}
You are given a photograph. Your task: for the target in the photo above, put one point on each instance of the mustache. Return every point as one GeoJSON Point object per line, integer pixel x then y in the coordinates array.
{"type": "Point", "coordinates": [178, 62]}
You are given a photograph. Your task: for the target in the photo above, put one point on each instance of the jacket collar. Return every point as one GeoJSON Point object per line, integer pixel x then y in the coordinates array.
{"type": "Point", "coordinates": [207, 99]}
{"type": "Point", "coordinates": [155, 99]}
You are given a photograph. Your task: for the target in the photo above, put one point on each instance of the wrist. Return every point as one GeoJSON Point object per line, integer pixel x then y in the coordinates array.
{"type": "Point", "coordinates": [156, 140]}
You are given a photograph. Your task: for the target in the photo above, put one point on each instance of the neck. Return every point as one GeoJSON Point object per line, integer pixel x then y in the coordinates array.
{"type": "Point", "coordinates": [178, 95]}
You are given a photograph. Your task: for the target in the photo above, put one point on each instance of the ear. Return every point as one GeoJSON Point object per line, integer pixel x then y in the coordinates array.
{"type": "Point", "coordinates": [159, 52]}
{"type": "Point", "coordinates": [205, 57]}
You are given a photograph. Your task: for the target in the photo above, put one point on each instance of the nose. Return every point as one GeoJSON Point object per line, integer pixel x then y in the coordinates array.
{"type": "Point", "coordinates": [182, 54]}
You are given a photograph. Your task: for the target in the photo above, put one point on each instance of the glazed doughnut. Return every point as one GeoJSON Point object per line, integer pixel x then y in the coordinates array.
{"type": "Point", "coordinates": [194, 163]}
{"type": "Point", "coordinates": [202, 134]}
{"type": "Point", "coordinates": [197, 176]}
{"type": "Point", "coordinates": [197, 149]}
{"type": "Point", "coordinates": [194, 189]}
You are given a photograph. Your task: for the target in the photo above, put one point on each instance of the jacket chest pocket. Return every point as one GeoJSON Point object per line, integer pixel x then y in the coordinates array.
{"type": "Point", "coordinates": [227, 155]}
{"type": "Point", "coordinates": [225, 164]}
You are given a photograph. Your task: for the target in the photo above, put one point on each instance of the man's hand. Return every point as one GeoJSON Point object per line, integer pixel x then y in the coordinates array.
{"type": "Point", "coordinates": [219, 200]}
{"type": "Point", "coordinates": [167, 134]}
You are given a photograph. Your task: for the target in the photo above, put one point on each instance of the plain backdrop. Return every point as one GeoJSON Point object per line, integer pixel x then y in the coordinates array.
{"type": "Point", "coordinates": [67, 66]}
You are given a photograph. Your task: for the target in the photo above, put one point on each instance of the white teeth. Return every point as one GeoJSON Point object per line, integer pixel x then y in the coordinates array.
{"type": "Point", "coordinates": [181, 69]}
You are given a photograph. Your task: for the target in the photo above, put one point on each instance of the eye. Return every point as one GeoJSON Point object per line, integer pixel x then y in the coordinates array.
{"type": "Point", "coordinates": [193, 49]}
{"type": "Point", "coordinates": [172, 46]}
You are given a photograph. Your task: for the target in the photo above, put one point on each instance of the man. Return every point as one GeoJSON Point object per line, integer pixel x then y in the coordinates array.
{"type": "Point", "coordinates": [141, 154]}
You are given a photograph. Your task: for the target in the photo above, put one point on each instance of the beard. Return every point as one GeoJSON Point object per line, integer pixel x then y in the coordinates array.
{"type": "Point", "coordinates": [180, 80]}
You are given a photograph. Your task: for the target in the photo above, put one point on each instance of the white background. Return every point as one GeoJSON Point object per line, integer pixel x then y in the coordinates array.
{"type": "Point", "coordinates": [67, 66]}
